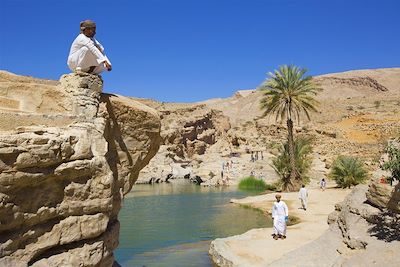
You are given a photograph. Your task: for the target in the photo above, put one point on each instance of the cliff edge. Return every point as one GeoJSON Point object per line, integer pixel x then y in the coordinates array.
{"type": "Point", "coordinates": [68, 154]}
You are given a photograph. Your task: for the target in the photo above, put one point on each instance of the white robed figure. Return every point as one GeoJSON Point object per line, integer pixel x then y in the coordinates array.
{"type": "Point", "coordinates": [86, 53]}
{"type": "Point", "coordinates": [303, 195]}
{"type": "Point", "coordinates": [280, 215]}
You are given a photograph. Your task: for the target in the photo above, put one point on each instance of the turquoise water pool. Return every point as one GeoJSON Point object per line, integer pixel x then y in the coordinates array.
{"type": "Point", "coordinates": [173, 224]}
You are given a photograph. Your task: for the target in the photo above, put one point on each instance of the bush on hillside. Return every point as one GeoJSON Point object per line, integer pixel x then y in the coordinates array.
{"type": "Point", "coordinates": [393, 165]}
{"type": "Point", "coordinates": [377, 103]}
{"type": "Point", "coordinates": [348, 171]}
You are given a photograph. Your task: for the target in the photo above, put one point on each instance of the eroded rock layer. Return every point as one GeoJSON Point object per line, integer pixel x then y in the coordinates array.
{"type": "Point", "coordinates": [63, 175]}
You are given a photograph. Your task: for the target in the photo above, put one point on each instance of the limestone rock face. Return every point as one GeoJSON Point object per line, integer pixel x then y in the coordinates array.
{"type": "Point", "coordinates": [379, 194]}
{"type": "Point", "coordinates": [189, 132]}
{"type": "Point", "coordinates": [394, 202]}
{"type": "Point", "coordinates": [86, 99]}
{"type": "Point", "coordinates": [62, 183]}
{"type": "Point", "coordinates": [198, 140]}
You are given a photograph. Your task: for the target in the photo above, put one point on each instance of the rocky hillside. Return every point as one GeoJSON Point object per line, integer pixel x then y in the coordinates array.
{"type": "Point", "coordinates": [68, 154]}
{"type": "Point", "coordinates": [358, 113]}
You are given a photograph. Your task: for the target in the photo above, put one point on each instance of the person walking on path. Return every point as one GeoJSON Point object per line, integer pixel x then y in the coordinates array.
{"type": "Point", "coordinates": [280, 215]}
{"type": "Point", "coordinates": [86, 53]}
{"type": "Point", "coordinates": [303, 195]}
{"type": "Point", "coordinates": [322, 184]}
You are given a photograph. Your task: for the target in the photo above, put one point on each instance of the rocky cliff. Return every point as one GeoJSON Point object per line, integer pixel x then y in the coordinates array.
{"type": "Point", "coordinates": [358, 111]}
{"type": "Point", "coordinates": [189, 132]}
{"type": "Point", "coordinates": [68, 154]}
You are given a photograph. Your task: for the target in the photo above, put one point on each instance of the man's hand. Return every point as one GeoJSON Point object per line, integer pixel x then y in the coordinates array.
{"type": "Point", "coordinates": [107, 65]}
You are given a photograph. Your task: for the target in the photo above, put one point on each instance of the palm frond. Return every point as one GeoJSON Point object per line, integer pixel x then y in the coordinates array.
{"type": "Point", "coordinates": [288, 92]}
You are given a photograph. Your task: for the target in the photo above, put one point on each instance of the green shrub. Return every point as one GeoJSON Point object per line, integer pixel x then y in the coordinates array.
{"type": "Point", "coordinates": [348, 171]}
{"type": "Point", "coordinates": [252, 183]}
{"type": "Point", "coordinates": [377, 103]}
{"type": "Point", "coordinates": [393, 165]}
{"type": "Point", "coordinates": [303, 150]}
{"type": "Point", "coordinates": [273, 145]}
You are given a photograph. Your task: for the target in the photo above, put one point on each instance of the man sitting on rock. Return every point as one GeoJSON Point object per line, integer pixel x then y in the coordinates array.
{"type": "Point", "coordinates": [87, 54]}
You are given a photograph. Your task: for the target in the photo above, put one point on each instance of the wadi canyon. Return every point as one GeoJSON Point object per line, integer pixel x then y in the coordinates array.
{"type": "Point", "coordinates": [357, 114]}
{"type": "Point", "coordinates": [69, 152]}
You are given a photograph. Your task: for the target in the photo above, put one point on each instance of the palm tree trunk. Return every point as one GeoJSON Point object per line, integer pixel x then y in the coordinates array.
{"type": "Point", "coordinates": [293, 184]}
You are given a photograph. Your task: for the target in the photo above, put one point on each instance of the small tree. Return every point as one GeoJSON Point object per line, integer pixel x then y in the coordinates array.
{"type": "Point", "coordinates": [348, 171]}
{"type": "Point", "coordinates": [393, 165]}
{"type": "Point", "coordinates": [302, 152]}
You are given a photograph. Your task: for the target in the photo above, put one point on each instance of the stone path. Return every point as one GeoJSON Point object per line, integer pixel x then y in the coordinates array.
{"type": "Point", "coordinates": [257, 248]}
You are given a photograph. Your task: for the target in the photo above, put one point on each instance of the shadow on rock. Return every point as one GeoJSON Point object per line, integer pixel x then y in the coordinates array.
{"type": "Point", "coordinates": [386, 226]}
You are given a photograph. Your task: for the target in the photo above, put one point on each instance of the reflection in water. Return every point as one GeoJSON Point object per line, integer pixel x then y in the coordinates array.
{"type": "Point", "coordinates": [173, 224]}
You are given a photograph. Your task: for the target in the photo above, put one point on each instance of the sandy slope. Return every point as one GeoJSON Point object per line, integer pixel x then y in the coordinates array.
{"type": "Point", "coordinates": [257, 248]}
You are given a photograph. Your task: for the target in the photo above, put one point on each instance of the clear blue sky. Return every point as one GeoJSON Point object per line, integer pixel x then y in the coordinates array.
{"type": "Point", "coordinates": [191, 50]}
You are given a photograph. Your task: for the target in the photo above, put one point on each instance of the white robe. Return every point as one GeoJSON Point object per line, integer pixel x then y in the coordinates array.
{"type": "Point", "coordinates": [86, 52]}
{"type": "Point", "coordinates": [303, 194]}
{"type": "Point", "coordinates": [279, 212]}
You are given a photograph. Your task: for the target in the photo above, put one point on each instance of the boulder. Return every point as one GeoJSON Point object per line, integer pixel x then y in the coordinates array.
{"type": "Point", "coordinates": [394, 202]}
{"type": "Point", "coordinates": [379, 194]}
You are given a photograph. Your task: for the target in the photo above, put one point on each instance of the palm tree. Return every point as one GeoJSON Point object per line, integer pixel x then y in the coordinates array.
{"type": "Point", "coordinates": [287, 94]}
{"type": "Point", "coordinates": [348, 171]}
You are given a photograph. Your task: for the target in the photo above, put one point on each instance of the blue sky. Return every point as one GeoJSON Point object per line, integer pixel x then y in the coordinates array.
{"type": "Point", "coordinates": [192, 50]}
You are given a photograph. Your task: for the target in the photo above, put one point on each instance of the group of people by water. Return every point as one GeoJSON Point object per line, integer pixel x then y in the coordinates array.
{"type": "Point", "coordinates": [226, 168]}
{"type": "Point", "coordinates": [256, 155]}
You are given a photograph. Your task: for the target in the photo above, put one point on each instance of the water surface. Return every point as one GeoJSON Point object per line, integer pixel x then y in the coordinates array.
{"type": "Point", "coordinates": [173, 224]}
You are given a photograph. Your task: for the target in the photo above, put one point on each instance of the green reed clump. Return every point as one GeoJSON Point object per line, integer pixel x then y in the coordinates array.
{"type": "Point", "coordinates": [252, 183]}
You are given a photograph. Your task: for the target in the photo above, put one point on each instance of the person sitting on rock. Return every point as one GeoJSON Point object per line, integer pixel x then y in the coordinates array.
{"type": "Point", "coordinates": [86, 53]}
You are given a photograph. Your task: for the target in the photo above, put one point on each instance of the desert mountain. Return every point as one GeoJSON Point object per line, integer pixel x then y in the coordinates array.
{"type": "Point", "coordinates": [358, 112]}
